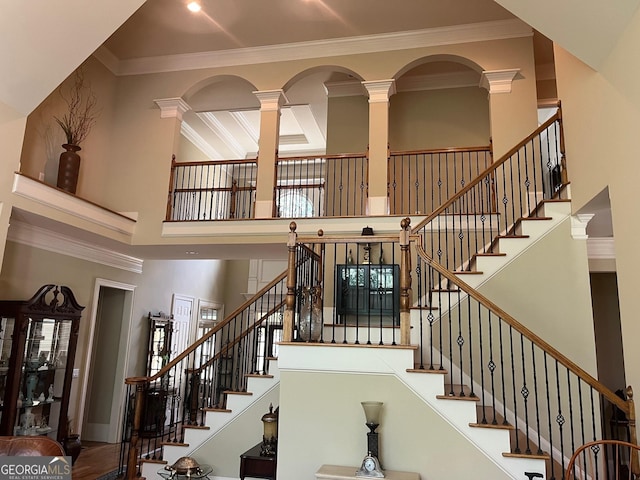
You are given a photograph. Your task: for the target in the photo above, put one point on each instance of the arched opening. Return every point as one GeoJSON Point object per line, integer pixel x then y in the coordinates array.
{"type": "Point", "coordinates": [439, 132]}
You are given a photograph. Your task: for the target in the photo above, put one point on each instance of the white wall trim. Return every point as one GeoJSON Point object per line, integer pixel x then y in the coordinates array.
{"type": "Point", "coordinates": [579, 224]}
{"type": "Point", "coordinates": [172, 107]}
{"type": "Point", "coordinates": [50, 241]}
{"type": "Point", "coordinates": [498, 81]}
{"type": "Point", "coordinates": [271, 100]}
{"type": "Point", "coordinates": [380, 90]}
{"type": "Point", "coordinates": [601, 248]}
{"type": "Point", "coordinates": [70, 204]}
{"type": "Point", "coordinates": [450, 35]}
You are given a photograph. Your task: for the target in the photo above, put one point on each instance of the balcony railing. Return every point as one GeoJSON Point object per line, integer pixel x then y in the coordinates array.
{"type": "Point", "coordinates": [321, 186]}
{"type": "Point", "coordinates": [212, 190]}
{"type": "Point", "coordinates": [422, 180]}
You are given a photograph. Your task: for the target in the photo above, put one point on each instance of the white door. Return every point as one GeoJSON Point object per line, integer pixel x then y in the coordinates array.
{"type": "Point", "coordinates": [182, 311]}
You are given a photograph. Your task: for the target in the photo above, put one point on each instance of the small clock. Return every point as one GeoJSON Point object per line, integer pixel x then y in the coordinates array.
{"type": "Point", "coordinates": [370, 468]}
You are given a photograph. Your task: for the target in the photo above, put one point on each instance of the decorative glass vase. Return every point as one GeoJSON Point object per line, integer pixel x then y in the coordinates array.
{"type": "Point", "coordinates": [310, 322]}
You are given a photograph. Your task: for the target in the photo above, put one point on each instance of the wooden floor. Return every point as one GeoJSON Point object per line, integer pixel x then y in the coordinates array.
{"type": "Point", "coordinates": [95, 460]}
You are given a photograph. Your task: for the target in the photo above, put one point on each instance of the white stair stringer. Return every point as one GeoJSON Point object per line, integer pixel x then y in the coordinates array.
{"type": "Point", "coordinates": [534, 230]}
{"type": "Point", "coordinates": [394, 361]}
{"type": "Point", "coordinates": [216, 421]}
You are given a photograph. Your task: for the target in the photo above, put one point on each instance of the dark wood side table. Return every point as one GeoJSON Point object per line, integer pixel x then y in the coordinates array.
{"type": "Point", "coordinates": [255, 466]}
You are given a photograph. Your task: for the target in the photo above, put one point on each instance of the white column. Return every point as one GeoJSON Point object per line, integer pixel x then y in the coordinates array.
{"type": "Point", "coordinates": [379, 93]}
{"type": "Point", "coordinates": [270, 103]}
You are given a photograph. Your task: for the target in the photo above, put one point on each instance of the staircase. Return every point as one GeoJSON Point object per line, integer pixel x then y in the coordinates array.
{"type": "Point", "coordinates": [464, 383]}
{"type": "Point", "coordinates": [435, 387]}
{"type": "Point", "coordinates": [262, 390]}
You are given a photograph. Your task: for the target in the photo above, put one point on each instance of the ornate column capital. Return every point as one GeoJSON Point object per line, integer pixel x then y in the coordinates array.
{"type": "Point", "coordinates": [172, 107]}
{"type": "Point", "coordinates": [380, 90]}
{"type": "Point", "coordinates": [498, 81]}
{"type": "Point", "coordinates": [579, 224]}
{"type": "Point", "coordinates": [271, 100]}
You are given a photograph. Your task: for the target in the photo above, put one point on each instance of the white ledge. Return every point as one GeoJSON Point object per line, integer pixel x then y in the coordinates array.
{"type": "Point", "coordinates": [70, 204]}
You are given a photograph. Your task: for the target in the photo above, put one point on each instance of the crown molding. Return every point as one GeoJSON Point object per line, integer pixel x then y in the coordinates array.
{"type": "Point", "coordinates": [345, 88]}
{"type": "Point", "coordinates": [55, 242]}
{"type": "Point", "coordinates": [172, 107]}
{"type": "Point", "coordinates": [380, 90]}
{"type": "Point", "coordinates": [498, 81]}
{"type": "Point", "coordinates": [579, 224]}
{"type": "Point", "coordinates": [450, 35]}
{"type": "Point", "coordinates": [271, 100]}
{"type": "Point", "coordinates": [601, 248]}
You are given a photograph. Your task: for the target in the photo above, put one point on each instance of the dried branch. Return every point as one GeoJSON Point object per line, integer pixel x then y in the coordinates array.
{"type": "Point", "coordinates": [82, 110]}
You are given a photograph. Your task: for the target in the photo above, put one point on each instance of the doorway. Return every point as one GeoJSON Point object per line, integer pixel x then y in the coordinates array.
{"type": "Point", "coordinates": [608, 332]}
{"type": "Point", "coordinates": [103, 383]}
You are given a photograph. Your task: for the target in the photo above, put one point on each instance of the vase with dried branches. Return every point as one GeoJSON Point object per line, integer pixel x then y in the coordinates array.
{"type": "Point", "coordinates": [81, 115]}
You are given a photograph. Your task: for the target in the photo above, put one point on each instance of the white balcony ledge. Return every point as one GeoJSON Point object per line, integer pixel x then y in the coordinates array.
{"type": "Point", "coordinates": [72, 205]}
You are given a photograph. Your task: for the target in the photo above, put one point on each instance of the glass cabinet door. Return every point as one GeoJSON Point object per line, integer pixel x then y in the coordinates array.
{"type": "Point", "coordinates": [42, 381]}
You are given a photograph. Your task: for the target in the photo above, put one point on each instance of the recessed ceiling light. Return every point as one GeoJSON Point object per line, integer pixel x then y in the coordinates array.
{"type": "Point", "coordinates": [194, 7]}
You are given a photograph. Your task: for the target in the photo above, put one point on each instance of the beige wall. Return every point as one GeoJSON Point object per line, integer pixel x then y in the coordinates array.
{"type": "Point", "coordinates": [322, 422]}
{"type": "Point", "coordinates": [602, 118]}
{"type": "Point", "coordinates": [552, 295]}
{"type": "Point", "coordinates": [43, 137]}
{"type": "Point", "coordinates": [430, 119]}
{"type": "Point", "coordinates": [347, 125]}
{"type": "Point", "coordinates": [245, 431]}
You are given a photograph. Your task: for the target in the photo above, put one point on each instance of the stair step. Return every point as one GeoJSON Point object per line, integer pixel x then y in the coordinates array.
{"type": "Point", "coordinates": [522, 219]}
{"type": "Point", "coordinates": [499, 426]}
{"type": "Point", "coordinates": [490, 254]}
{"type": "Point", "coordinates": [174, 444]}
{"type": "Point", "coordinates": [543, 456]}
{"type": "Point", "coordinates": [196, 427]}
{"type": "Point", "coordinates": [512, 236]}
{"type": "Point", "coordinates": [437, 371]}
{"type": "Point", "coordinates": [214, 409]}
{"type": "Point", "coordinates": [460, 392]}
{"type": "Point", "coordinates": [258, 375]}
{"type": "Point", "coordinates": [467, 272]}
{"type": "Point", "coordinates": [458, 397]}
{"type": "Point", "coordinates": [231, 392]}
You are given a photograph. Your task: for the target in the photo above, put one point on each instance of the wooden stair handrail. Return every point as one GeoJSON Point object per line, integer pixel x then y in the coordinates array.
{"type": "Point", "coordinates": [229, 345]}
{"type": "Point", "coordinates": [520, 328]}
{"type": "Point", "coordinates": [480, 177]}
{"type": "Point", "coordinates": [215, 329]}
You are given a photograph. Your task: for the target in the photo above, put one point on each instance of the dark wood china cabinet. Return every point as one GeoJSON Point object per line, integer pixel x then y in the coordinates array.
{"type": "Point", "coordinates": [38, 340]}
